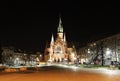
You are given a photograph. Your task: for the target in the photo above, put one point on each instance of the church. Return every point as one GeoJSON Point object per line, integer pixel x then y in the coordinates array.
{"type": "Point", "coordinates": [58, 50]}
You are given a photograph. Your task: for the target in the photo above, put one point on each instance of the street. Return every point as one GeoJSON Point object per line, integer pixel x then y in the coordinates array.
{"type": "Point", "coordinates": [60, 73]}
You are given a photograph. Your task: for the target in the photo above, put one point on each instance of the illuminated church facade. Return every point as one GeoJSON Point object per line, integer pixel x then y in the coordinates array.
{"type": "Point", "coordinates": [58, 50]}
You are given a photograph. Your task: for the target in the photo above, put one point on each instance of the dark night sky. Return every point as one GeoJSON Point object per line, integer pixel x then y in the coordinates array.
{"type": "Point", "coordinates": [29, 24]}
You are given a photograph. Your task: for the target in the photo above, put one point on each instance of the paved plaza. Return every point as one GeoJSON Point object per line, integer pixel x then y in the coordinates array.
{"type": "Point", "coordinates": [55, 73]}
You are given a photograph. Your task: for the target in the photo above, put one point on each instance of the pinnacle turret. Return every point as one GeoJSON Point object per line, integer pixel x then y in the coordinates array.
{"type": "Point", "coordinates": [52, 40]}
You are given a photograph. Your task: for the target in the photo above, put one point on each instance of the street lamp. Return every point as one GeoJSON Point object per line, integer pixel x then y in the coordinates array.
{"type": "Point", "coordinates": [89, 51]}
{"type": "Point", "coordinates": [108, 52]}
{"type": "Point", "coordinates": [108, 55]}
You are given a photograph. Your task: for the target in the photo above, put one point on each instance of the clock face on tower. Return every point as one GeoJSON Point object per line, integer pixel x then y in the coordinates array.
{"type": "Point", "coordinates": [60, 35]}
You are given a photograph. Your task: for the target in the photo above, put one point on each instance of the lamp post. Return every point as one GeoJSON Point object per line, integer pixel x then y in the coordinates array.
{"type": "Point", "coordinates": [102, 52]}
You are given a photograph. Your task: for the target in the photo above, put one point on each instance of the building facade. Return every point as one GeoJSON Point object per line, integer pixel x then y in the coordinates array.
{"type": "Point", "coordinates": [58, 50]}
{"type": "Point", "coordinates": [105, 51]}
{"type": "Point", "coordinates": [11, 57]}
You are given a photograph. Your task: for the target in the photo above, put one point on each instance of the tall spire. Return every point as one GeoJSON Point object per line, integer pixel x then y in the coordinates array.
{"type": "Point", "coordinates": [60, 28]}
{"type": "Point", "coordinates": [52, 40]}
{"type": "Point", "coordinates": [64, 38]}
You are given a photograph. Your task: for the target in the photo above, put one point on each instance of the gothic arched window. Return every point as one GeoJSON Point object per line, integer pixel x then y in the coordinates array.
{"type": "Point", "coordinates": [58, 50]}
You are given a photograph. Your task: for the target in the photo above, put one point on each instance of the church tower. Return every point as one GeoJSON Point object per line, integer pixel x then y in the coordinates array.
{"type": "Point", "coordinates": [58, 50]}
{"type": "Point", "coordinates": [60, 29]}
